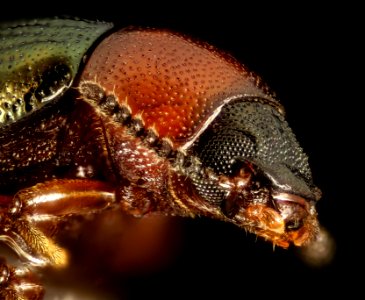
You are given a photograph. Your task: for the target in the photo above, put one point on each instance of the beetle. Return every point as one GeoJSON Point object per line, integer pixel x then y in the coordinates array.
{"type": "Point", "coordinates": [145, 121]}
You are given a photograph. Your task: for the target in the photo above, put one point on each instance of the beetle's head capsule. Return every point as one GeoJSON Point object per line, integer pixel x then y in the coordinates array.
{"type": "Point", "coordinates": [254, 170]}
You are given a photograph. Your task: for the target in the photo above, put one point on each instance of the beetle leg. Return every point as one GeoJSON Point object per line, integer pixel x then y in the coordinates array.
{"type": "Point", "coordinates": [33, 216]}
{"type": "Point", "coordinates": [30, 219]}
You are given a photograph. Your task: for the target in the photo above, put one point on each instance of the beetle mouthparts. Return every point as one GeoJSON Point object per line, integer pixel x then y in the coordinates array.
{"type": "Point", "coordinates": [286, 197]}
{"type": "Point", "coordinates": [298, 215]}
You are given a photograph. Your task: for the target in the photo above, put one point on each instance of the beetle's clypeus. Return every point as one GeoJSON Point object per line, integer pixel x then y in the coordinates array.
{"type": "Point", "coordinates": [147, 121]}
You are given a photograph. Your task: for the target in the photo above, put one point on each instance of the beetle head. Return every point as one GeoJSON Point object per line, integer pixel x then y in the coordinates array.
{"type": "Point", "coordinates": [253, 169]}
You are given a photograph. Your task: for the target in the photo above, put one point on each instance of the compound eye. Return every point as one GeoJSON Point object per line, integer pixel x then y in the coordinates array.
{"type": "Point", "coordinates": [209, 189]}
{"type": "Point", "coordinates": [225, 151]}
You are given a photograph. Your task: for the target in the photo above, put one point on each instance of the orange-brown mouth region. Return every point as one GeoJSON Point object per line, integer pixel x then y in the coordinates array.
{"type": "Point", "coordinates": [292, 220]}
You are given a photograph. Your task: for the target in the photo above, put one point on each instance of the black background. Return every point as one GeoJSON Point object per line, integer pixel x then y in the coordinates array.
{"type": "Point", "coordinates": [309, 56]}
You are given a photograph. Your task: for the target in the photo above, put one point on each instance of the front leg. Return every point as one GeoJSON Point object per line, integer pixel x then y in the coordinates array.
{"type": "Point", "coordinates": [30, 219]}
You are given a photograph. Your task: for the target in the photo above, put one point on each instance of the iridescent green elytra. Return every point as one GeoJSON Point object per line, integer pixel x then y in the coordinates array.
{"type": "Point", "coordinates": [39, 60]}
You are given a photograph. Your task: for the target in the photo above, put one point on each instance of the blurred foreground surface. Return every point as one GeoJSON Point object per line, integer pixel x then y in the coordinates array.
{"type": "Point", "coordinates": [114, 256]}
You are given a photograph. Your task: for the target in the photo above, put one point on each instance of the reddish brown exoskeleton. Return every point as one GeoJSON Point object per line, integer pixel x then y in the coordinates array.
{"type": "Point", "coordinates": [154, 123]}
